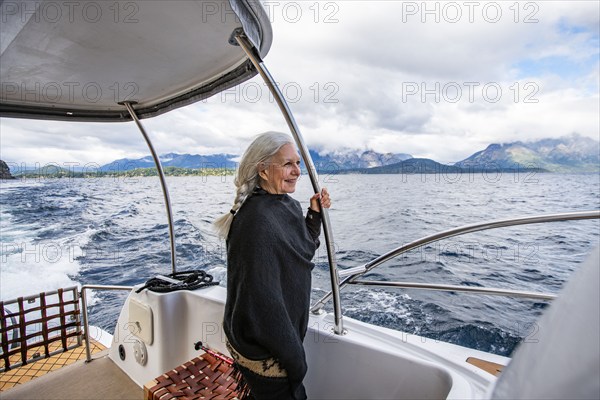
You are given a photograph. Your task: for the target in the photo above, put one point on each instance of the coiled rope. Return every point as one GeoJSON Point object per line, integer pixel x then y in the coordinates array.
{"type": "Point", "coordinates": [185, 280]}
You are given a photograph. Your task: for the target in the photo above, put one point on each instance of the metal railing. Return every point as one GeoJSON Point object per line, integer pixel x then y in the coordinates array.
{"type": "Point", "coordinates": [161, 177]}
{"type": "Point", "coordinates": [458, 288]}
{"type": "Point", "coordinates": [352, 274]}
{"type": "Point", "coordinates": [312, 172]}
{"type": "Point", "coordinates": [86, 333]}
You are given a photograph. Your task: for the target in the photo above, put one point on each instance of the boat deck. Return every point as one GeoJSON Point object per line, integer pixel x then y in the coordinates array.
{"type": "Point", "coordinates": [42, 366]}
{"type": "Point", "coordinates": [68, 376]}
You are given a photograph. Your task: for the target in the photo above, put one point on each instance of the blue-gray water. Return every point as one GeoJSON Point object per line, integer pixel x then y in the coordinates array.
{"type": "Point", "coordinates": [59, 232]}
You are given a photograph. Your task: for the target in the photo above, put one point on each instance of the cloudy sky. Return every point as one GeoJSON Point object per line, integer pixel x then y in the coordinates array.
{"type": "Point", "coordinates": [441, 80]}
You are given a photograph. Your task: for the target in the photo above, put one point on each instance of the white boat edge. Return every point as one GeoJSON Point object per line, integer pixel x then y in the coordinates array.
{"type": "Point", "coordinates": [372, 362]}
{"type": "Point", "coordinates": [101, 336]}
{"type": "Point", "coordinates": [340, 366]}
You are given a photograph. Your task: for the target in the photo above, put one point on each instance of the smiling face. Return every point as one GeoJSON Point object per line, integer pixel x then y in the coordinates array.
{"type": "Point", "coordinates": [280, 174]}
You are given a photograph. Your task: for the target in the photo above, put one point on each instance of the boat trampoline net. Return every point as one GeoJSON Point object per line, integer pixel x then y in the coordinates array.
{"type": "Point", "coordinates": [30, 327]}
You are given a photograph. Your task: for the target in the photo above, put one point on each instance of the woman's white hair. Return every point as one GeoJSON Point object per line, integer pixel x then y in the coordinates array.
{"type": "Point", "coordinates": [261, 150]}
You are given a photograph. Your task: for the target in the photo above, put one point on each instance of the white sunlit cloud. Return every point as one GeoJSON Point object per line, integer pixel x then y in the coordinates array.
{"type": "Point", "coordinates": [379, 59]}
{"type": "Point", "coordinates": [379, 75]}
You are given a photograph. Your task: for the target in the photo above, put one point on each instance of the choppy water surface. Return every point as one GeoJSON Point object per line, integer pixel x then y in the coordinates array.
{"type": "Point", "coordinates": [60, 232]}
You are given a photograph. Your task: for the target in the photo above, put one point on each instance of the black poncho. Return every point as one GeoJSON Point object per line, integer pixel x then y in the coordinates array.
{"type": "Point", "coordinates": [269, 251]}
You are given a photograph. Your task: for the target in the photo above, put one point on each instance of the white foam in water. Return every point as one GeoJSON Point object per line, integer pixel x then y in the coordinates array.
{"type": "Point", "coordinates": [28, 268]}
{"type": "Point", "coordinates": [382, 302]}
{"type": "Point", "coordinates": [27, 274]}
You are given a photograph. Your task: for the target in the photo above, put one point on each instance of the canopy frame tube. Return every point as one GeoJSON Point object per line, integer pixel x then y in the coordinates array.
{"type": "Point", "coordinates": [163, 181]}
{"type": "Point", "coordinates": [245, 44]}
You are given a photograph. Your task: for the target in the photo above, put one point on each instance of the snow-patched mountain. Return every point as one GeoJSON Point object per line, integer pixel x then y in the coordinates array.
{"type": "Point", "coordinates": [193, 161]}
{"type": "Point", "coordinates": [331, 161]}
{"type": "Point", "coordinates": [351, 159]}
{"type": "Point", "coordinates": [574, 153]}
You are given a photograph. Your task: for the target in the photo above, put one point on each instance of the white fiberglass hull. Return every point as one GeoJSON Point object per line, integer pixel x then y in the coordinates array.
{"type": "Point", "coordinates": [367, 362]}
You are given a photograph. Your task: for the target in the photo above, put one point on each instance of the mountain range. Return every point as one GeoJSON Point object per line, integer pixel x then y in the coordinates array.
{"type": "Point", "coordinates": [569, 154]}
{"type": "Point", "coordinates": [193, 161]}
{"type": "Point", "coordinates": [349, 159]}
{"type": "Point", "coordinates": [340, 160]}
{"type": "Point", "coordinates": [574, 153]}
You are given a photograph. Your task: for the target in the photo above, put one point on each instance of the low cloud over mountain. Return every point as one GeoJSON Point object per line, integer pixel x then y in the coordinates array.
{"type": "Point", "coordinates": [572, 153]}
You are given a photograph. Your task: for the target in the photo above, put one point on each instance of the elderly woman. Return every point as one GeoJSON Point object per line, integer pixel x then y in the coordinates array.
{"type": "Point", "coordinates": [270, 245]}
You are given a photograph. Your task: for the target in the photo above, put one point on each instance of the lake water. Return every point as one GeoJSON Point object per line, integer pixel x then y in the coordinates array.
{"type": "Point", "coordinates": [60, 232]}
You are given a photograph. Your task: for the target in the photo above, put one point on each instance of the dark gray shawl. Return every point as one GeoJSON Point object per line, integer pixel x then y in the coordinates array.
{"type": "Point", "coordinates": [269, 251]}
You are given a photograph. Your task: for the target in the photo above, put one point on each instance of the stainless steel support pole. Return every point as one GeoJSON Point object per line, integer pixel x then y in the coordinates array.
{"type": "Point", "coordinates": [86, 326]}
{"type": "Point", "coordinates": [312, 172]}
{"type": "Point", "coordinates": [163, 182]}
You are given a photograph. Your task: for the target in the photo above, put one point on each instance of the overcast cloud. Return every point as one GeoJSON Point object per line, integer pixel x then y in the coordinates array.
{"type": "Point", "coordinates": [442, 82]}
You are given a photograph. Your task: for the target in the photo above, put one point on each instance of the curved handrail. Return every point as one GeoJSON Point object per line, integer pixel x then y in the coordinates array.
{"type": "Point", "coordinates": [86, 325]}
{"type": "Point", "coordinates": [458, 288]}
{"type": "Point", "coordinates": [352, 274]}
{"type": "Point", "coordinates": [163, 182]}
